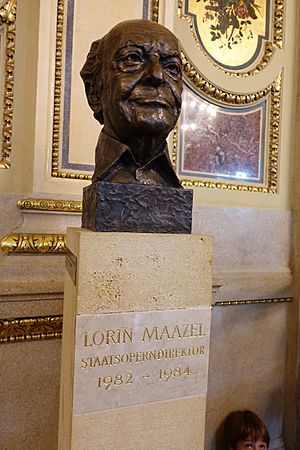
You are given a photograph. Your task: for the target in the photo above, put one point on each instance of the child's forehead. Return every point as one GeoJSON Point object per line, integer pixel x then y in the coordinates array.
{"type": "Point", "coordinates": [254, 440]}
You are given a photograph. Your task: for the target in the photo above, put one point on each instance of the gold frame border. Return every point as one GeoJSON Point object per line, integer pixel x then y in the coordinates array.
{"type": "Point", "coordinates": [8, 14]}
{"type": "Point", "coordinates": [30, 329]}
{"type": "Point", "coordinates": [50, 205]}
{"type": "Point", "coordinates": [154, 10]}
{"type": "Point", "coordinates": [221, 96]}
{"type": "Point", "coordinates": [33, 243]}
{"type": "Point", "coordinates": [269, 47]}
{"type": "Point", "coordinates": [253, 302]}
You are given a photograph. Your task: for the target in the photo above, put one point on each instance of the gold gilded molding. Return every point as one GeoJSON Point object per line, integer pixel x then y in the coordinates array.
{"type": "Point", "coordinates": [8, 18]}
{"type": "Point", "coordinates": [50, 205]}
{"type": "Point", "coordinates": [254, 302]}
{"type": "Point", "coordinates": [57, 106]}
{"type": "Point", "coordinates": [269, 47]}
{"type": "Point", "coordinates": [33, 243]}
{"type": "Point", "coordinates": [154, 10]}
{"type": "Point", "coordinates": [29, 329]}
{"type": "Point", "coordinates": [278, 23]}
{"type": "Point", "coordinates": [218, 94]}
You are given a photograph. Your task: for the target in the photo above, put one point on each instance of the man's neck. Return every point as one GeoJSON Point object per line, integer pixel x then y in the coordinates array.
{"type": "Point", "coordinates": [143, 147]}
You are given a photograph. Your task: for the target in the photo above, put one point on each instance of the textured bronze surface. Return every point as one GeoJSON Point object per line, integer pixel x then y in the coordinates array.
{"type": "Point", "coordinates": [137, 208]}
{"type": "Point", "coordinates": [133, 84]}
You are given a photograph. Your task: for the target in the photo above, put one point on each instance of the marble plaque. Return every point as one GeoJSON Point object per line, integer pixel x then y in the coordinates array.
{"type": "Point", "coordinates": [132, 358]}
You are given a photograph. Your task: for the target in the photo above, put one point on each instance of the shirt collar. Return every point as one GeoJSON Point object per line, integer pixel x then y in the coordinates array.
{"type": "Point", "coordinates": [109, 150]}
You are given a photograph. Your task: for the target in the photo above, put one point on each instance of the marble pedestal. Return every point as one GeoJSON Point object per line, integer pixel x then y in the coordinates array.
{"type": "Point", "coordinates": [135, 341]}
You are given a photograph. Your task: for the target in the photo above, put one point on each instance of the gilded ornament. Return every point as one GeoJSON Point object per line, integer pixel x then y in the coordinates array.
{"type": "Point", "coordinates": [57, 99]}
{"type": "Point", "coordinates": [33, 243]}
{"type": "Point", "coordinates": [27, 329]}
{"type": "Point", "coordinates": [254, 302]}
{"type": "Point", "coordinates": [269, 46]}
{"type": "Point", "coordinates": [154, 10]}
{"type": "Point", "coordinates": [50, 205]}
{"type": "Point", "coordinates": [8, 19]}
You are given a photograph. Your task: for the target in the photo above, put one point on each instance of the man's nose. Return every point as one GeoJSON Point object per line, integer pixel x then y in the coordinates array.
{"type": "Point", "coordinates": [153, 73]}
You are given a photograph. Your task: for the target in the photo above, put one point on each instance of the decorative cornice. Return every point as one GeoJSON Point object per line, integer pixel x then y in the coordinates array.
{"type": "Point", "coordinates": [253, 302]}
{"type": "Point", "coordinates": [33, 243]}
{"type": "Point", "coordinates": [218, 95]}
{"type": "Point", "coordinates": [50, 205]}
{"type": "Point", "coordinates": [29, 329]}
{"type": "Point", "coordinates": [8, 18]}
{"type": "Point", "coordinates": [221, 95]}
{"type": "Point", "coordinates": [269, 47]}
{"type": "Point", "coordinates": [278, 23]}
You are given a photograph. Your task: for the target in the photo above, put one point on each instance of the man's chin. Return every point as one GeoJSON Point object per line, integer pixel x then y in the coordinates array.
{"type": "Point", "coordinates": [154, 128]}
{"type": "Point", "coordinates": [154, 122]}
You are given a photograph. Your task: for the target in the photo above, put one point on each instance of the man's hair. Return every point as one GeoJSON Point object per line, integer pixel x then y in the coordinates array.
{"type": "Point", "coordinates": [240, 425]}
{"type": "Point", "coordinates": [91, 73]}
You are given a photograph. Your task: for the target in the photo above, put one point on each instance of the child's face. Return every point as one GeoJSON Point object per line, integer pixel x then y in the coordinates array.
{"type": "Point", "coordinates": [249, 444]}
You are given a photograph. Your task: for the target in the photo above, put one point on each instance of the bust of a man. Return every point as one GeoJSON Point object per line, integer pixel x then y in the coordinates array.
{"type": "Point", "coordinates": [133, 83]}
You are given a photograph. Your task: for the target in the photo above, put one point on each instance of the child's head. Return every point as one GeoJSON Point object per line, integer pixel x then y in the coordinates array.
{"type": "Point", "coordinates": [244, 430]}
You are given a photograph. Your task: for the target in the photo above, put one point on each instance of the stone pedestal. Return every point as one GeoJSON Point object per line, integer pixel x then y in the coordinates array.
{"type": "Point", "coordinates": [135, 341]}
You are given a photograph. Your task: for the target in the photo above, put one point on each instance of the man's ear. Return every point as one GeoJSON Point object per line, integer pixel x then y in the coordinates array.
{"type": "Point", "coordinates": [93, 92]}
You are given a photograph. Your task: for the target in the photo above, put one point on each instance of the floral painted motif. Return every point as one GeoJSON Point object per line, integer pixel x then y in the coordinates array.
{"type": "Point", "coordinates": [230, 20]}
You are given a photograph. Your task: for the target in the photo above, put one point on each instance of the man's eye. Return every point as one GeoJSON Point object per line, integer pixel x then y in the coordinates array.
{"type": "Point", "coordinates": [132, 58]}
{"type": "Point", "coordinates": [173, 68]}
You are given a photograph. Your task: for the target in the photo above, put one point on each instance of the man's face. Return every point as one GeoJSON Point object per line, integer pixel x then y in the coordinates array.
{"type": "Point", "coordinates": [141, 80]}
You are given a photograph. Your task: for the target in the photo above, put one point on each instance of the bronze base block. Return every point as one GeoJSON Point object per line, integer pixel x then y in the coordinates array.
{"type": "Point", "coordinates": [136, 208]}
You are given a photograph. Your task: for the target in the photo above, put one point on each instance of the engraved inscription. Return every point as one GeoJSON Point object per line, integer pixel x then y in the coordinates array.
{"type": "Point", "coordinates": [130, 358]}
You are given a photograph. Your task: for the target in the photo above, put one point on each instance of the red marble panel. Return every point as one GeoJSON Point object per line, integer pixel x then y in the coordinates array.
{"type": "Point", "coordinates": [221, 142]}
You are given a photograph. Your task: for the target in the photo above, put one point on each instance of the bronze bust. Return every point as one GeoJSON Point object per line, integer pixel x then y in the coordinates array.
{"type": "Point", "coordinates": [133, 83]}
